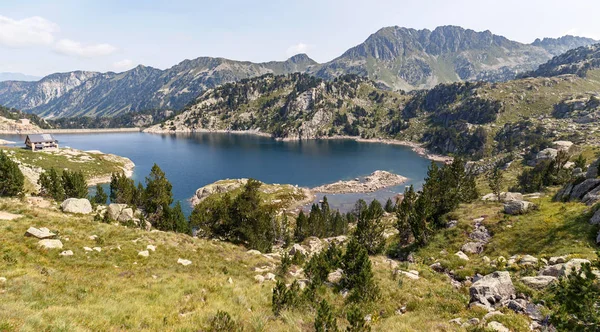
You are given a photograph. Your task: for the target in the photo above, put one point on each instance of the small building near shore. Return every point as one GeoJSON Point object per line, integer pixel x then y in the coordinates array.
{"type": "Point", "coordinates": [41, 142]}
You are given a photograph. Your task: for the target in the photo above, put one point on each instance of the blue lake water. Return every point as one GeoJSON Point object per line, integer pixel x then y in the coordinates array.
{"type": "Point", "coordinates": [191, 161]}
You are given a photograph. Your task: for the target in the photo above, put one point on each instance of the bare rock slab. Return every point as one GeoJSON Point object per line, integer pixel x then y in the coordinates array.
{"type": "Point", "coordinates": [50, 244]}
{"type": "Point", "coordinates": [40, 233]}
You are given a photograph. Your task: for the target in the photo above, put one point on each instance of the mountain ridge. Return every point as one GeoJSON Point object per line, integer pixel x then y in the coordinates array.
{"type": "Point", "coordinates": [396, 58]}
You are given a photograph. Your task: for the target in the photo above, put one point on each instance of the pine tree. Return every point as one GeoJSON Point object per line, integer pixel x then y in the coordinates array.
{"type": "Point", "coordinates": [369, 228]}
{"type": "Point", "coordinates": [278, 298]}
{"type": "Point", "coordinates": [51, 185]}
{"type": "Point", "coordinates": [358, 274]}
{"type": "Point", "coordinates": [301, 230]}
{"type": "Point", "coordinates": [100, 197]}
{"type": "Point", "coordinates": [325, 321]}
{"type": "Point", "coordinates": [180, 224]}
{"type": "Point", "coordinates": [122, 189]}
{"type": "Point", "coordinates": [356, 321]}
{"type": "Point", "coordinates": [74, 184]}
{"type": "Point", "coordinates": [11, 177]}
{"type": "Point", "coordinates": [252, 221]}
{"type": "Point", "coordinates": [158, 191]}
{"type": "Point", "coordinates": [389, 206]}
{"type": "Point", "coordinates": [495, 181]}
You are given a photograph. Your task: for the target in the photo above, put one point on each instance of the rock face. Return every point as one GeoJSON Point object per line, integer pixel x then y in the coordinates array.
{"type": "Point", "coordinates": [492, 289]}
{"type": "Point", "coordinates": [583, 188]}
{"type": "Point", "coordinates": [76, 205]}
{"type": "Point", "coordinates": [376, 181]}
{"type": "Point", "coordinates": [120, 212]}
{"type": "Point", "coordinates": [517, 207]}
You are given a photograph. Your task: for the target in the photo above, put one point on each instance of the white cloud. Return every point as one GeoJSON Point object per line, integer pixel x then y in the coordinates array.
{"type": "Point", "coordinates": [299, 48]}
{"type": "Point", "coordinates": [123, 65]}
{"type": "Point", "coordinates": [71, 47]}
{"type": "Point", "coordinates": [31, 31]}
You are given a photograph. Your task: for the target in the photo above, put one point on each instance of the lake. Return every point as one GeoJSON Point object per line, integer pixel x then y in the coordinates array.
{"type": "Point", "coordinates": [191, 161]}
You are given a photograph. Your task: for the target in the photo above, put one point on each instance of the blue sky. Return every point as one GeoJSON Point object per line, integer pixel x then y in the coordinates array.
{"type": "Point", "coordinates": [42, 37]}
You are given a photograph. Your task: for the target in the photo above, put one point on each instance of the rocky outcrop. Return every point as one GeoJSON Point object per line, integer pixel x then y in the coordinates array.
{"type": "Point", "coordinates": [539, 282]}
{"type": "Point", "coordinates": [376, 181]}
{"type": "Point", "coordinates": [491, 290]}
{"type": "Point", "coordinates": [217, 188]}
{"type": "Point", "coordinates": [76, 205]}
{"type": "Point", "coordinates": [41, 233]}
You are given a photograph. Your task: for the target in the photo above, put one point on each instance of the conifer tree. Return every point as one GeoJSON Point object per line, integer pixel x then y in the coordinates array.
{"type": "Point", "coordinates": [369, 228]}
{"type": "Point", "coordinates": [11, 177]}
{"type": "Point", "coordinates": [100, 197]}
{"type": "Point", "coordinates": [301, 230]}
{"type": "Point", "coordinates": [495, 181]}
{"type": "Point", "coordinates": [51, 185]}
{"type": "Point", "coordinates": [356, 321]}
{"type": "Point", "coordinates": [158, 191]}
{"type": "Point", "coordinates": [325, 321]}
{"type": "Point", "coordinates": [358, 274]}
{"type": "Point", "coordinates": [74, 184]}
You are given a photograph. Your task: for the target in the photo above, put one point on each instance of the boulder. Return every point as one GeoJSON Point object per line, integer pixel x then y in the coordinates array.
{"type": "Point", "coordinates": [592, 196]}
{"type": "Point", "coordinates": [41, 233]}
{"type": "Point", "coordinates": [562, 145]}
{"type": "Point", "coordinates": [574, 263]}
{"type": "Point", "coordinates": [144, 253]}
{"type": "Point", "coordinates": [335, 276]}
{"type": "Point", "coordinates": [414, 275]}
{"type": "Point", "coordinates": [76, 205]}
{"type": "Point", "coordinates": [298, 248]}
{"type": "Point", "coordinates": [528, 260]}
{"type": "Point", "coordinates": [517, 207]}
{"type": "Point", "coordinates": [583, 188]}
{"type": "Point", "coordinates": [151, 247]}
{"type": "Point", "coordinates": [314, 245]}
{"type": "Point", "coordinates": [552, 270]}
{"type": "Point", "coordinates": [184, 262]}
{"type": "Point", "coordinates": [66, 253]}
{"type": "Point", "coordinates": [592, 171]}
{"type": "Point", "coordinates": [509, 196]}
{"type": "Point", "coordinates": [125, 215]}
{"type": "Point", "coordinates": [557, 260]}
{"type": "Point", "coordinates": [598, 238]}
{"type": "Point", "coordinates": [114, 210]}
{"type": "Point", "coordinates": [548, 153]}
{"type": "Point", "coordinates": [259, 278]}
{"type": "Point", "coordinates": [539, 282]}
{"type": "Point", "coordinates": [472, 247]}
{"type": "Point", "coordinates": [595, 220]}
{"type": "Point", "coordinates": [498, 327]}
{"type": "Point", "coordinates": [564, 194]}
{"type": "Point", "coordinates": [492, 289]}
{"type": "Point", "coordinates": [50, 244]}
{"type": "Point", "coordinates": [270, 276]}
{"type": "Point", "coordinates": [254, 252]}
{"type": "Point", "coordinates": [462, 255]}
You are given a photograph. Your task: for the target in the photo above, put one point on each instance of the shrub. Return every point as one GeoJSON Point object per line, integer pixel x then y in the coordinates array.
{"type": "Point", "coordinates": [51, 185]}
{"type": "Point", "coordinates": [222, 322]}
{"type": "Point", "coordinates": [325, 321]}
{"type": "Point", "coordinates": [369, 228]}
{"type": "Point", "coordinates": [100, 197]}
{"type": "Point", "coordinates": [74, 184]}
{"type": "Point", "coordinates": [358, 274]}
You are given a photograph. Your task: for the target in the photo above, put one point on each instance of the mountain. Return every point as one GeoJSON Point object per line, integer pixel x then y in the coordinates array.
{"type": "Point", "coordinates": [17, 77]}
{"type": "Point", "coordinates": [408, 59]}
{"type": "Point", "coordinates": [394, 58]}
{"type": "Point", "coordinates": [577, 61]}
{"type": "Point", "coordinates": [141, 88]}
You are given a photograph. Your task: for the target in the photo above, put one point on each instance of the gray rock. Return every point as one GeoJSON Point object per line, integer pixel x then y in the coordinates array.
{"type": "Point", "coordinates": [562, 145]}
{"type": "Point", "coordinates": [492, 289]}
{"type": "Point", "coordinates": [564, 194]}
{"type": "Point", "coordinates": [552, 270]}
{"type": "Point", "coordinates": [592, 171]}
{"type": "Point", "coordinates": [144, 253]}
{"type": "Point", "coordinates": [583, 188]}
{"type": "Point", "coordinates": [557, 260]}
{"type": "Point", "coordinates": [472, 247]}
{"type": "Point", "coordinates": [498, 327]}
{"type": "Point", "coordinates": [528, 260]}
{"type": "Point", "coordinates": [184, 262]}
{"type": "Point", "coordinates": [76, 205]}
{"type": "Point", "coordinates": [41, 233]}
{"type": "Point", "coordinates": [517, 207]}
{"type": "Point", "coordinates": [462, 255]}
{"type": "Point", "coordinates": [114, 210]}
{"type": "Point", "coordinates": [574, 263]}
{"type": "Point", "coordinates": [66, 253]}
{"type": "Point", "coordinates": [437, 267]}
{"type": "Point", "coordinates": [335, 276]}
{"type": "Point", "coordinates": [592, 197]}
{"type": "Point", "coordinates": [125, 215]}
{"type": "Point", "coordinates": [297, 248]}
{"type": "Point", "coordinates": [517, 306]}
{"type": "Point", "coordinates": [50, 244]}
{"type": "Point", "coordinates": [595, 220]}
{"type": "Point", "coordinates": [539, 282]}
{"type": "Point", "coordinates": [548, 153]}
{"type": "Point", "coordinates": [598, 238]}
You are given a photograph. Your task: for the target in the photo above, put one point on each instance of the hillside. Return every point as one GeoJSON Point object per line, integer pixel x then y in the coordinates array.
{"type": "Point", "coordinates": [393, 57]}
{"type": "Point", "coordinates": [469, 119]}
{"type": "Point", "coordinates": [577, 61]}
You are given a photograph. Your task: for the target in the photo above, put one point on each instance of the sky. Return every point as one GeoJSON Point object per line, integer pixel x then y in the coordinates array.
{"type": "Point", "coordinates": [40, 37]}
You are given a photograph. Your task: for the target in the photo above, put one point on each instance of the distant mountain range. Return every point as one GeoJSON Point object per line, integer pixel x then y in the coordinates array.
{"type": "Point", "coordinates": [393, 57]}
{"type": "Point", "coordinates": [17, 77]}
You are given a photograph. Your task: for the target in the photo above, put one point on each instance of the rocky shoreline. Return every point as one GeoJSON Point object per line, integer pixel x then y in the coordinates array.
{"type": "Point", "coordinates": [375, 181]}
{"type": "Point", "coordinates": [416, 147]}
